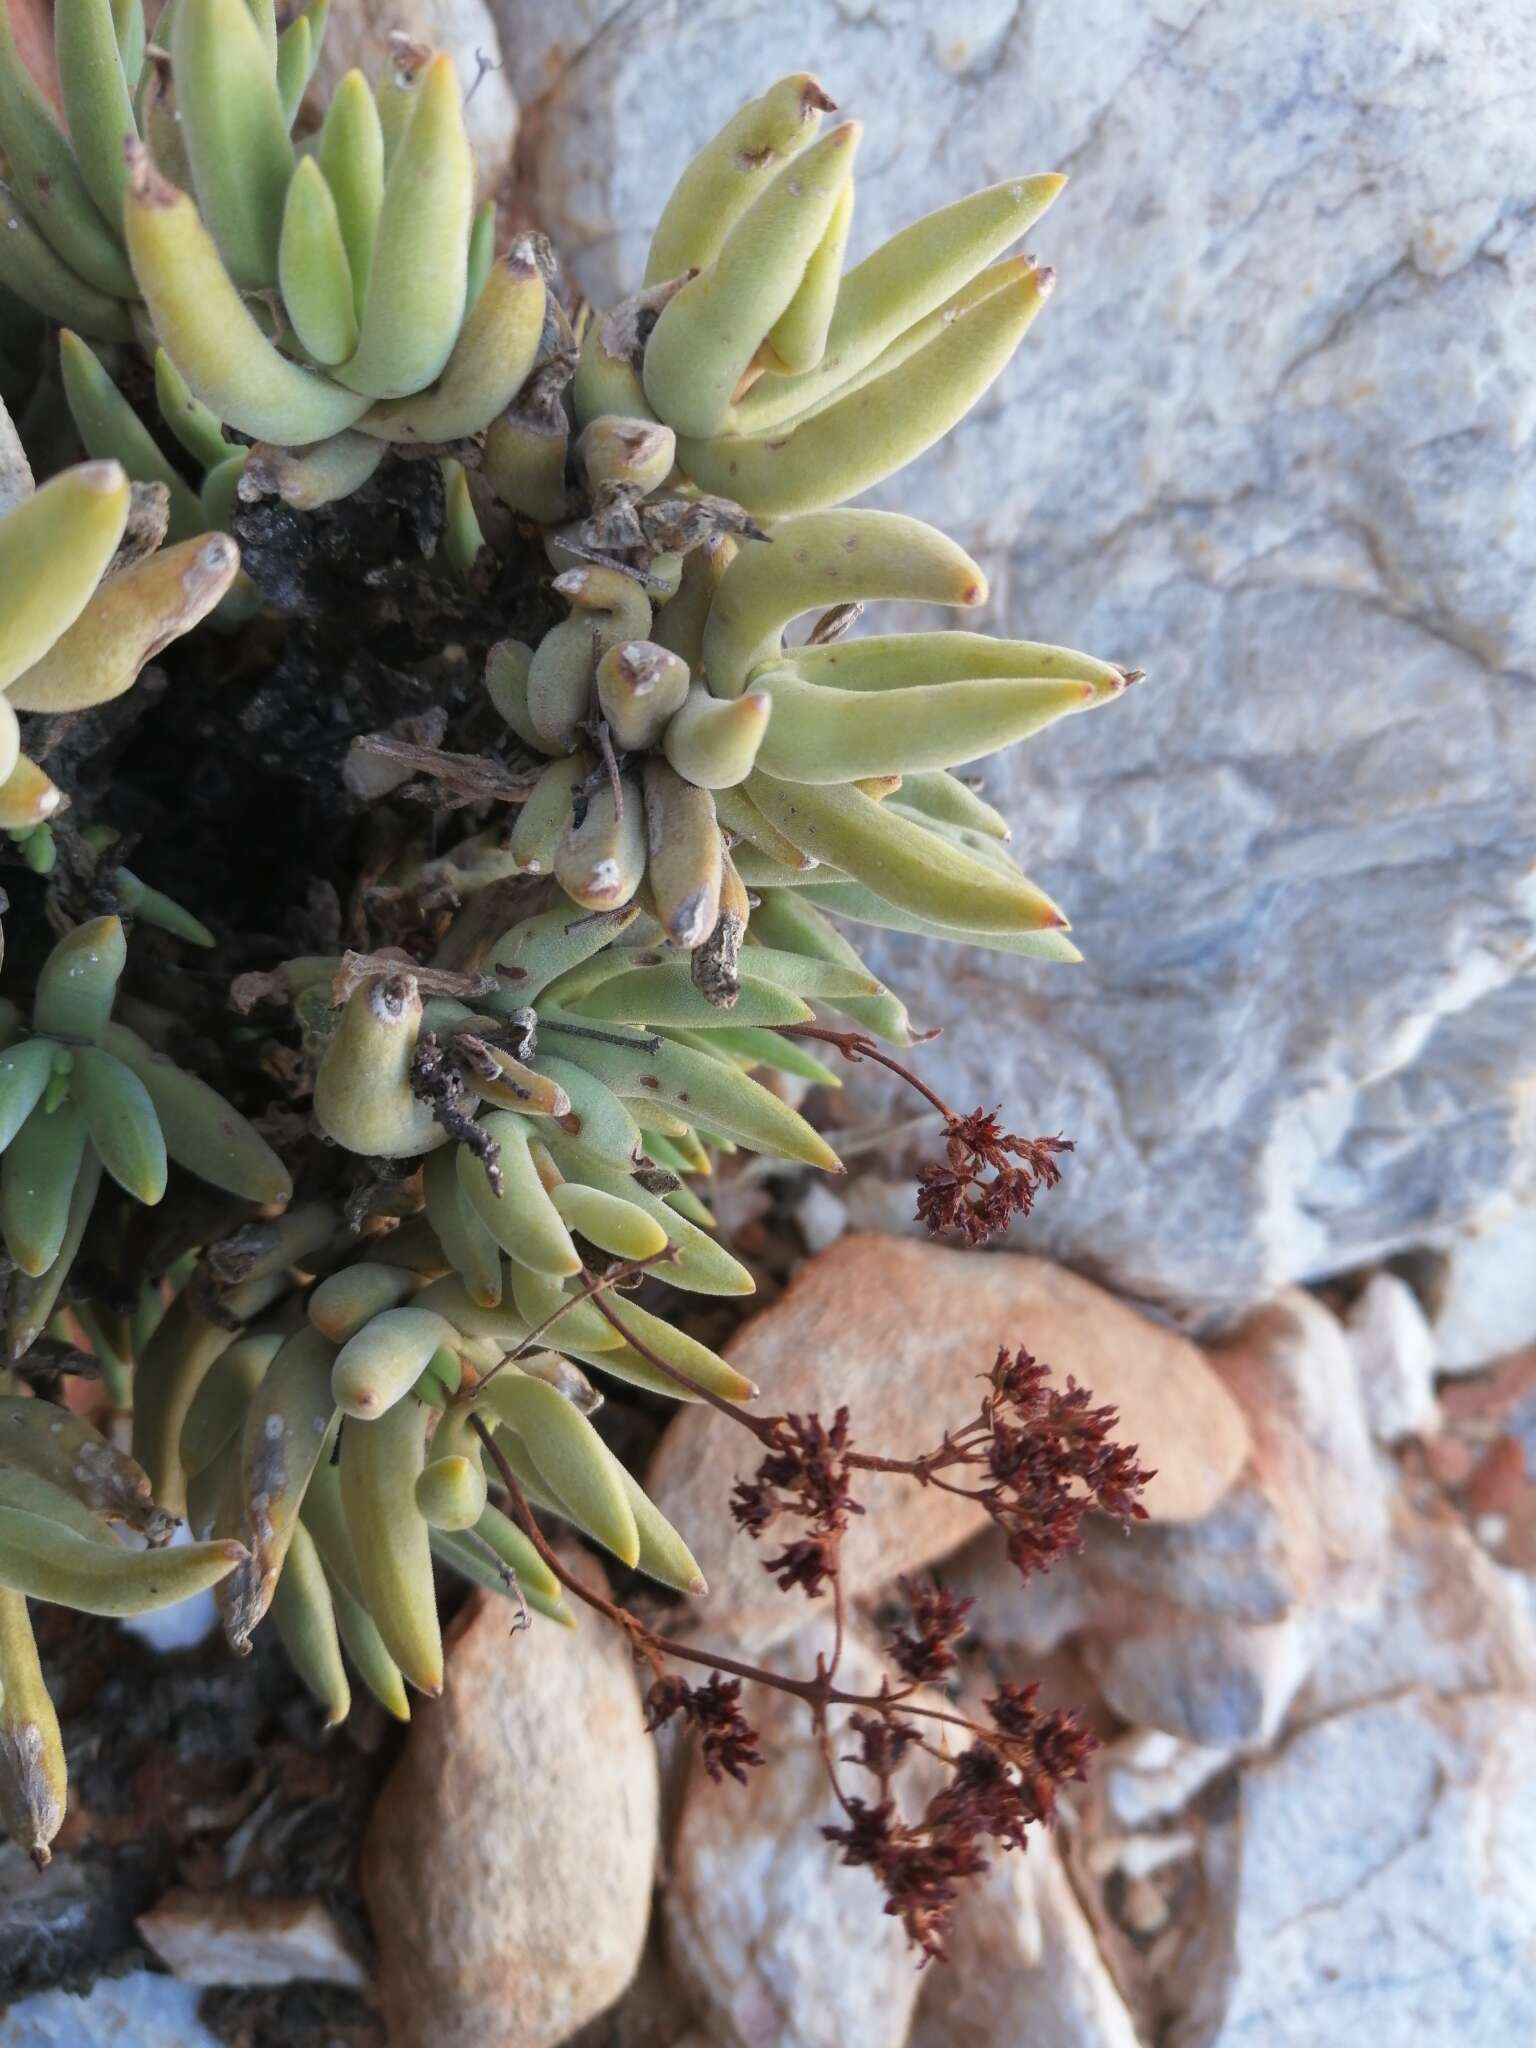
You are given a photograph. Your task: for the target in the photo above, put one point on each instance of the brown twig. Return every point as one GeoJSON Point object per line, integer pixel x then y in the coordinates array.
{"type": "Point", "coordinates": [858, 1045]}
{"type": "Point", "coordinates": [817, 1692]}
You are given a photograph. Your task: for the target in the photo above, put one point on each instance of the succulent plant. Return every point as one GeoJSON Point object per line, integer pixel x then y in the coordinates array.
{"type": "Point", "coordinates": [827, 765]}
{"type": "Point", "coordinates": [81, 1095]}
{"type": "Point", "coordinates": [237, 86]}
{"type": "Point", "coordinates": [63, 1487]}
{"type": "Point", "coordinates": [505, 1112]}
{"type": "Point", "coordinates": [693, 521]}
{"type": "Point", "coordinates": [300, 295]}
{"type": "Point", "coordinates": [746, 332]}
{"type": "Point", "coordinates": [90, 597]}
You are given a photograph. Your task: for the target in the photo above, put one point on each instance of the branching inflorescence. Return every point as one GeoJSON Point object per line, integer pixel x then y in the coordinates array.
{"type": "Point", "coordinates": [368, 1337]}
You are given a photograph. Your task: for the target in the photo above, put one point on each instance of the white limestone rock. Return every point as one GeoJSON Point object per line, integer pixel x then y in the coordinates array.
{"type": "Point", "coordinates": [1150, 1775]}
{"type": "Point", "coordinates": [1386, 1884]}
{"type": "Point", "coordinates": [15, 470]}
{"type": "Point", "coordinates": [1024, 1967]}
{"type": "Point", "coordinates": [228, 1938]}
{"type": "Point", "coordinates": [1487, 1295]}
{"type": "Point", "coordinates": [777, 1944]}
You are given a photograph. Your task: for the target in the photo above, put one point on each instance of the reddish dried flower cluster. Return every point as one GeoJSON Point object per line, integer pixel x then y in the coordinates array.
{"type": "Point", "coordinates": [919, 1871]}
{"type": "Point", "coordinates": [988, 1177]}
{"type": "Point", "coordinates": [805, 1474]}
{"type": "Point", "coordinates": [924, 1651]}
{"type": "Point", "coordinates": [1050, 1458]}
{"type": "Point", "coordinates": [1035, 1456]}
{"type": "Point", "coordinates": [1047, 1750]}
{"type": "Point", "coordinates": [1001, 1785]}
{"type": "Point", "coordinates": [727, 1740]}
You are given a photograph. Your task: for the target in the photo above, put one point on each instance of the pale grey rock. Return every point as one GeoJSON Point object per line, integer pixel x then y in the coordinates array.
{"type": "Point", "coordinates": [1384, 1886]}
{"type": "Point", "coordinates": [875, 1203]}
{"type": "Point", "coordinates": [1373, 1879]}
{"type": "Point", "coordinates": [1020, 1619]}
{"type": "Point", "coordinates": [1269, 442]}
{"type": "Point", "coordinates": [1142, 1856]}
{"type": "Point", "coordinates": [540, 44]}
{"type": "Point", "coordinates": [1250, 1560]}
{"type": "Point", "coordinates": [1446, 1618]}
{"type": "Point", "coordinates": [137, 2011]}
{"type": "Point", "coordinates": [1025, 1970]}
{"type": "Point", "coordinates": [777, 1944]}
{"type": "Point", "coordinates": [1217, 1683]}
{"type": "Point", "coordinates": [1487, 1295]}
{"type": "Point", "coordinates": [821, 1217]}
{"type": "Point", "coordinates": [1395, 1355]}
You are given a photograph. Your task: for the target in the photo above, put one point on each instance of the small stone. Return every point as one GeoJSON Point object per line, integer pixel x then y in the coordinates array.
{"type": "Point", "coordinates": [1143, 1854]}
{"type": "Point", "coordinates": [888, 1206]}
{"type": "Point", "coordinates": [1150, 1749]}
{"type": "Point", "coordinates": [1306, 1524]}
{"type": "Point", "coordinates": [1021, 1620]}
{"type": "Point", "coordinates": [1143, 1908]}
{"type": "Point", "coordinates": [1503, 1396]}
{"type": "Point", "coordinates": [901, 1334]}
{"type": "Point", "coordinates": [1487, 1295]}
{"type": "Point", "coordinates": [821, 1216]}
{"type": "Point", "coordinates": [1394, 1349]}
{"type": "Point", "coordinates": [1101, 1856]}
{"type": "Point", "coordinates": [510, 1855]}
{"type": "Point", "coordinates": [16, 482]}
{"type": "Point", "coordinates": [1025, 1970]}
{"type": "Point", "coordinates": [226, 1938]}
{"type": "Point", "coordinates": [1451, 1461]}
{"type": "Point", "coordinates": [779, 1945]}
{"type": "Point", "coordinates": [1139, 1790]}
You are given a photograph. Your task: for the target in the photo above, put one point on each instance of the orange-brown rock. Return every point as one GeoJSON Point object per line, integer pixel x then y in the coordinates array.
{"type": "Point", "coordinates": [900, 1332]}
{"type": "Point", "coordinates": [508, 1863]}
